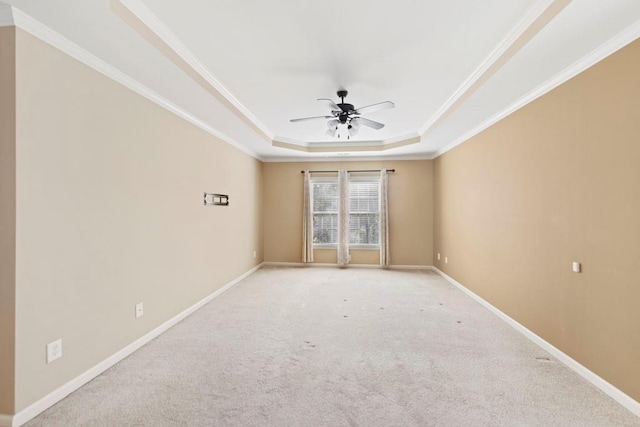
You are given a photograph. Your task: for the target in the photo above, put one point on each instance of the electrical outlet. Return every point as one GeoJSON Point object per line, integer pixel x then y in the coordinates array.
{"type": "Point", "coordinates": [438, 256]}
{"type": "Point", "coordinates": [139, 310]}
{"type": "Point", "coordinates": [54, 350]}
{"type": "Point", "coordinates": [254, 254]}
{"type": "Point", "coordinates": [446, 260]}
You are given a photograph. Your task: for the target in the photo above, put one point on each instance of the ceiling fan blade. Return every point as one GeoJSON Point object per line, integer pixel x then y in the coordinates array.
{"type": "Point", "coordinates": [370, 123]}
{"type": "Point", "coordinates": [375, 107]}
{"type": "Point", "coordinates": [310, 118]}
{"type": "Point", "coordinates": [333, 105]}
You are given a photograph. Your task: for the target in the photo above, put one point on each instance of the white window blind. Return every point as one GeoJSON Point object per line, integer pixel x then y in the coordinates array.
{"type": "Point", "coordinates": [324, 199]}
{"type": "Point", "coordinates": [364, 212]}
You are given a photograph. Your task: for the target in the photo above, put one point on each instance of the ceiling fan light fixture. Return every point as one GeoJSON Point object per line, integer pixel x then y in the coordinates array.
{"type": "Point", "coordinates": [353, 130]}
{"type": "Point", "coordinates": [332, 132]}
{"type": "Point", "coordinates": [333, 124]}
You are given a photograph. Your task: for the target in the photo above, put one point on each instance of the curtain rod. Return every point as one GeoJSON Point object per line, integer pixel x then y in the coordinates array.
{"type": "Point", "coordinates": [365, 170]}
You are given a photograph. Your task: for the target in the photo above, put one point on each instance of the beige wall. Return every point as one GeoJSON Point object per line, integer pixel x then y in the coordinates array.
{"type": "Point", "coordinates": [410, 212]}
{"type": "Point", "coordinates": [7, 217]}
{"type": "Point", "coordinates": [110, 213]}
{"type": "Point", "coordinates": [558, 181]}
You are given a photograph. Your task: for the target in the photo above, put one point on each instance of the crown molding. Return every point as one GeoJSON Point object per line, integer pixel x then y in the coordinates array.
{"type": "Point", "coordinates": [351, 146]}
{"type": "Point", "coordinates": [411, 136]}
{"type": "Point", "coordinates": [614, 44]}
{"type": "Point", "coordinates": [329, 144]}
{"type": "Point", "coordinates": [6, 15]}
{"type": "Point", "coordinates": [155, 25]}
{"type": "Point", "coordinates": [348, 158]}
{"type": "Point", "coordinates": [46, 34]}
{"type": "Point", "coordinates": [525, 22]}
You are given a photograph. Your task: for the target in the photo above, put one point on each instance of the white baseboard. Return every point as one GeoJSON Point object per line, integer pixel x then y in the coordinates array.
{"type": "Point", "coordinates": [63, 391]}
{"type": "Point", "coordinates": [60, 393]}
{"type": "Point", "coordinates": [608, 388]}
{"type": "Point", "coordinates": [320, 264]}
{"type": "Point", "coordinates": [411, 267]}
{"type": "Point", "coordinates": [287, 264]}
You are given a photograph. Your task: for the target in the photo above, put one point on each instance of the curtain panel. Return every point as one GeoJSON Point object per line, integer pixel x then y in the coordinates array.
{"type": "Point", "coordinates": [343, 218]}
{"type": "Point", "coordinates": [385, 257]}
{"type": "Point", "coordinates": [307, 220]}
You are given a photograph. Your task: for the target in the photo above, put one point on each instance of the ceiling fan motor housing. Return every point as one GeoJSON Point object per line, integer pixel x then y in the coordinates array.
{"type": "Point", "coordinates": [344, 116]}
{"type": "Point", "coordinates": [346, 108]}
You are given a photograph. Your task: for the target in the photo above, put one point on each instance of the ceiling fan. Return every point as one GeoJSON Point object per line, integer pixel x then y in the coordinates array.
{"type": "Point", "coordinates": [347, 116]}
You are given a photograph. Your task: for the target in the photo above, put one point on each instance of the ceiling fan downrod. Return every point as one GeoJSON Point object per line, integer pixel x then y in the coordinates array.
{"type": "Point", "coordinates": [342, 94]}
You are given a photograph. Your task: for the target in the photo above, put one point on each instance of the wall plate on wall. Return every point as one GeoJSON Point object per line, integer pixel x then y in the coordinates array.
{"type": "Point", "coordinates": [215, 199]}
{"type": "Point", "coordinates": [54, 350]}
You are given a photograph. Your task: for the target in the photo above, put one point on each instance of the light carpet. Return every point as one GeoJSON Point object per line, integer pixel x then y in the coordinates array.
{"type": "Point", "coordinates": [339, 347]}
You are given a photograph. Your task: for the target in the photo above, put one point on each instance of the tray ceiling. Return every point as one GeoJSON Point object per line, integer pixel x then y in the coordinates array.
{"type": "Point", "coordinates": [242, 69]}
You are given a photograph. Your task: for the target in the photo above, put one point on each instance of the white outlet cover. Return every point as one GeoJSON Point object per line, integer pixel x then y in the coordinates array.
{"type": "Point", "coordinates": [54, 350]}
{"type": "Point", "coordinates": [438, 256]}
{"type": "Point", "coordinates": [446, 260]}
{"type": "Point", "coordinates": [576, 267]}
{"type": "Point", "coordinates": [139, 310]}
{"type": "Point", "coordinates": [254, 254]}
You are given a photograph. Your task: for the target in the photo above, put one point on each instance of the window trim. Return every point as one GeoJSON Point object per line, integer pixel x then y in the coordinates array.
{"type": "Point", "coordinates": [324, 179]}
{"type": "Point", "coordinates": [364, 246]}
{"type": "Point", "coordinates": [334, 246]}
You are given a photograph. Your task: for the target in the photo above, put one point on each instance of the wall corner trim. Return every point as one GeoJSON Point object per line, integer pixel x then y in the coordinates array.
{"type": "Point", "coordinates": [612, 391]}
{"type": "Point", "coordinates": [63, 391]}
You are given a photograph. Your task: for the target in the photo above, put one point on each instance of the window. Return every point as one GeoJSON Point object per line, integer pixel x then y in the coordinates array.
{"type": "Point", "coordinates": [324, 199]}
{"type": "Point", "coordinates": [364, 211]}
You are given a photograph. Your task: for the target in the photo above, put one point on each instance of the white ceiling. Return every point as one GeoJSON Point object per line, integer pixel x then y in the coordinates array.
{"type": "Point", "coordinates": [258, 64]}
